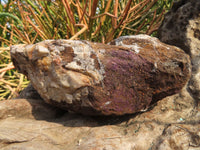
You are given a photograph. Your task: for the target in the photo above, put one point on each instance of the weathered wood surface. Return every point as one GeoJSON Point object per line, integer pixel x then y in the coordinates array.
{"type": "Point", "coordinates": [31, 124]}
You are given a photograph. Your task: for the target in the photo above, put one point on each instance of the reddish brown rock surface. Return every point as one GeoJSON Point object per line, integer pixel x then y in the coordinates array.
{"type": "Point", "coordinates": [100, 79]}
{"type": "Point", "coordinates": [181, 27]}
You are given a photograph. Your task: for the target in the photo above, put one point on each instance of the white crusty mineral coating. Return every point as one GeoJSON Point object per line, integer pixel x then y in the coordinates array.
{"type": "Point", "coordinates": [83, 55]}
{"type": "Point", "coordinates": [79, 73]}
{"type": "Point", "coordinates": [135, 47]}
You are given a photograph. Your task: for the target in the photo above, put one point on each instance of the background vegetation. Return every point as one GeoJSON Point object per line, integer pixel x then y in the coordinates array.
{"type": "Point", "coordinates": [31, 21]}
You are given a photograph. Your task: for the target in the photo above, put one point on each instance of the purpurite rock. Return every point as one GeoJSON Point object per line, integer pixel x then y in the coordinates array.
{"type": "Point", "coordinates": [124, 77]}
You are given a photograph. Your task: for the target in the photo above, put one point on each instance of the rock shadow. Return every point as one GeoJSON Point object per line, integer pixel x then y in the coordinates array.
{"type": "Point", "coordinates": [42, 111]}
{"type": "Point", "coordinates": [57, 115]}
{"type": "Point", "coordinates": [33, 104]}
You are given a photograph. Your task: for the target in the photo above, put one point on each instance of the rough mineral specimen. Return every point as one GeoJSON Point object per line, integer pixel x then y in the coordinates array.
{"type": "Point", "coordinates": [124, 77]}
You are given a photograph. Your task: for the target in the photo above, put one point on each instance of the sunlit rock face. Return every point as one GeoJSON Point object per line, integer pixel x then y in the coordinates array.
{"type": "Point", "coordinates": [122, 77]}
{"type": "Point", "coordinates": [181, 27]}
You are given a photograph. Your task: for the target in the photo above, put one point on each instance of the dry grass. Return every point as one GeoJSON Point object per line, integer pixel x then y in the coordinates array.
{"type": "Point", "coordinates": [11, 82]}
